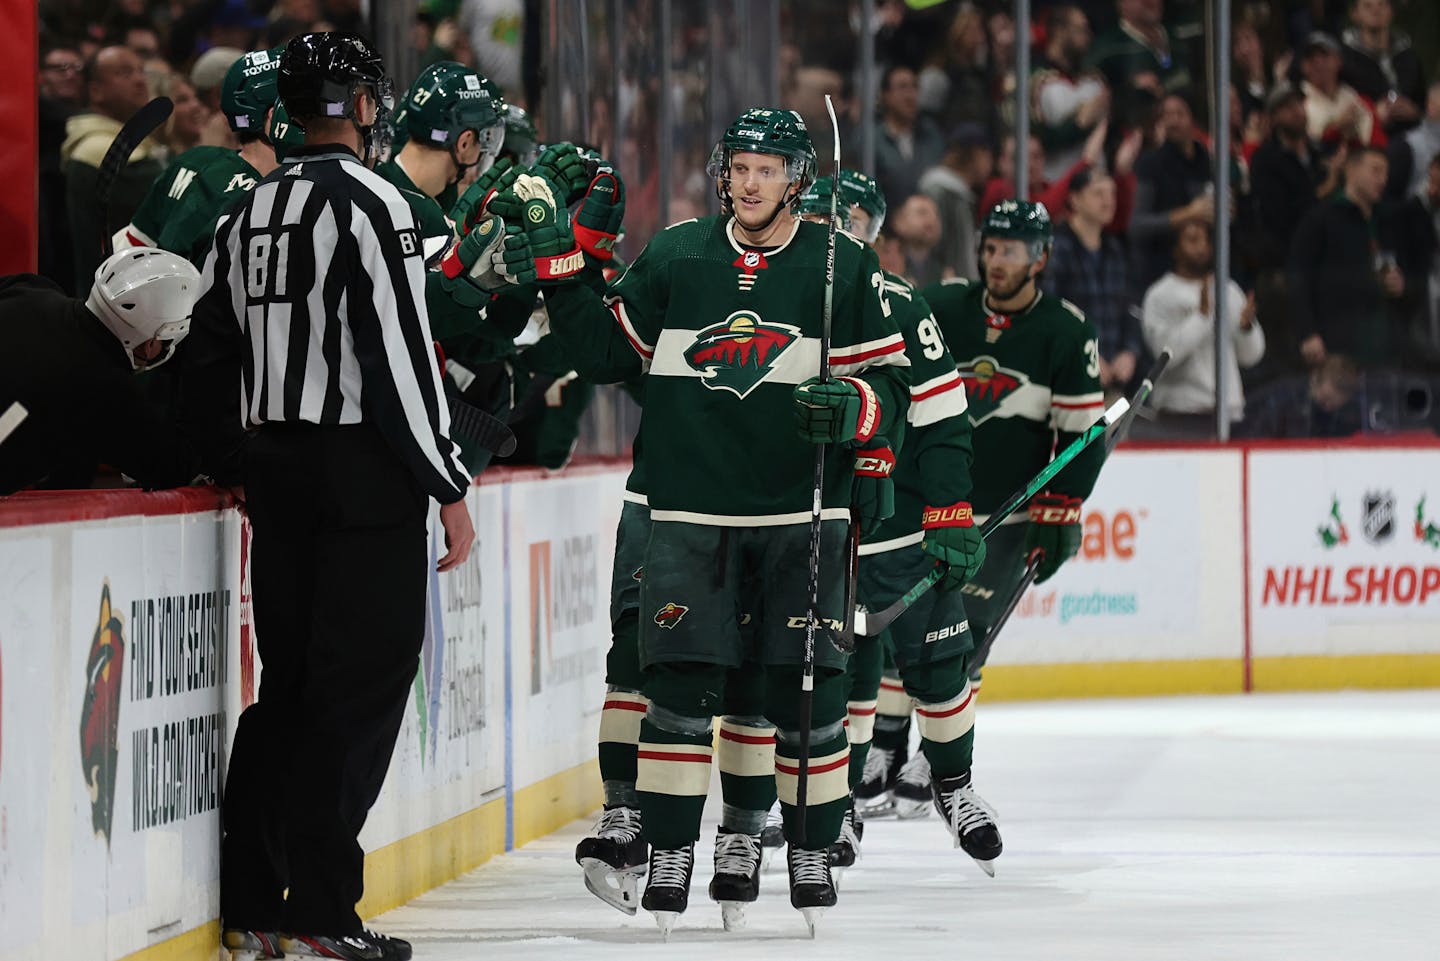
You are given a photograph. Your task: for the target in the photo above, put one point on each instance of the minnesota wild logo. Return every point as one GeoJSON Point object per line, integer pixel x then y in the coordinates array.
{"type": "Point", "coordinates": [1333, 532]}
{"type": "Point", "coordinates": [1425, 531]}
{"type": "Point", "coordinates": [987, 385]}
{"type": "Point", "coordinates": [738, 354]}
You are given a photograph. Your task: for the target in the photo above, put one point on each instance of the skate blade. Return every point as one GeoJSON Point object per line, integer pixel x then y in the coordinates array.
{"type": "Point", "coordinates": [767, 855]}
{"type": "Point", "coordinates": [877, 808]}
{"type": "Point", "coordinates": [732, 915]}
{"type": "Point", "coordinates": [987, 866]}
{"type": "Point", "coordinates": [911, 810]}
{"type": "Point", "coordinates": [619, 889]}
{"type": "Point", "coordinates": [837, 874]}
{"type": "Point", "coordinates": [812, 918]}
{"type": "Point", "coordinates": [665, 921]}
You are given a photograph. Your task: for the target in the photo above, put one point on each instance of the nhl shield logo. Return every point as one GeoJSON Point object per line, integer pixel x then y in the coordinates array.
{"type": "Point", "coordinates": [1377, 520]}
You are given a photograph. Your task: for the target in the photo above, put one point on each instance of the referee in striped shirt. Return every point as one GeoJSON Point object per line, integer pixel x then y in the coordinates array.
{"type": "Point", "coordinates": [313, 325]}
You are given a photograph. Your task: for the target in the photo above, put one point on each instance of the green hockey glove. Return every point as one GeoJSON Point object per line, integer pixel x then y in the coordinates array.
{"type": "Point", "coordinates": [602, 210]}
{"type": "Point", "coordinates": [472, 206]}
{"type": "Point", "coordinates": [1054, 532]}
{"type": "Point", "coordinates": [872, 497]}
{"type": "Point", "coordinates": [566, 168]}
{"type": "Point", "coordinates": [840, 411]}
{"type": "Point", "coordinates": [533, 205]}
{"type": "Point", "coordinates": [952, 538]}
{"type": "Point", "coordinates": [492, 256]}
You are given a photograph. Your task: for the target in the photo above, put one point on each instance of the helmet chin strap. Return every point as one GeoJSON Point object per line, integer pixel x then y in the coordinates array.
{"type": "Point", "coordinates": [780, 205]}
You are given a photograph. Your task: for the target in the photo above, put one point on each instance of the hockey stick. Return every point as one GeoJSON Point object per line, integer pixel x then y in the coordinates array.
{"type": "Point", "coordinates": [145, 122]}
{"type": "Point", "coordinates": [480, 428]}
{"type": "Point", "coordinates": [1116, 435]}
{"type": "Point", "coordinates": [812, 618]}
{"type": "Point", "coordinates": [875, 623]}
{"type": "Point", "coordinates": [13, 417]}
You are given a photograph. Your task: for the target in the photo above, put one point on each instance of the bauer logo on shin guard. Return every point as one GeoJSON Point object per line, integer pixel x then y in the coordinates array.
{"type": "Point", "coordinates": [669, 615]}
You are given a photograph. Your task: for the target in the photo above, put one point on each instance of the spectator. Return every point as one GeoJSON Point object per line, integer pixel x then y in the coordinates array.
{"type": "Point", "coordinates": [1382, 67]}
{"type": "Point", "coordinates": [495, 28]}
{"type": "Point", "coordinates": [61, 87]}
{"type": "Point", "coordinates": [1251, 77]}
{"type": "Point", "coordinates": [1344, 277]}
{"type": "Point", "coordinates": [1179, 314]}
{"type": "Point", "coordinates": [917, 226]}
{"type": "Point", "coordinates": [1088, 267]}
{"type": "Point", "coordinates": [1069, 98]}
{"type": "Point", "coordinates": [1287, 178]}
{"type": "Point", "coordinates": [1410, 155]}
{"type": "Point", "coordinates": [1173, 187]}
{"type": "Point", "coordinates": [207, 76]}
{"type": "Point", "coordinates": [189, 119]}
{"type": "Point", "coordinates": [1324, 404]}
{"type": "Point", "coordinates": [1430, 200]}
{"type": "Point", "coordinates": [1334, 111]}
{"type": "Point", "coordinates": [1002, 186]}
{"type": "Point", "coordinates": [957, 85]}
{"type": "Point", "coordinates": [145, 42]}
{"type": "Point", "coordinates": [909, 144]}
{"type": "Point", "coordinates": [955, 186]}
{"type": "Point", "coordinates": [1138, 61]}
{"type": "Point", "coordinates": [115, 81]}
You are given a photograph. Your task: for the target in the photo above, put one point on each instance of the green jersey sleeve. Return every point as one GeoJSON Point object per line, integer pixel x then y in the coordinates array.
{"type": "Point", "coordinates": [1076, 400]}
{"type": "Point", "coordinates": [180, 211]}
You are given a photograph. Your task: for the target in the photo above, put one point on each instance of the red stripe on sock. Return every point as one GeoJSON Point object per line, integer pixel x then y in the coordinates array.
{"type": "Point", "coordinates": [624, 706]}
{"type": "Point", "coordinates": [746, 738]}
{"type": "Point", "coordinates": [862, 711]}
{"type": "Point", "coordinates": [833, 765]}
{"type": "Point", "coordinates": [662, 756]}
{"type": "Point", "coordinates": [952, 711]}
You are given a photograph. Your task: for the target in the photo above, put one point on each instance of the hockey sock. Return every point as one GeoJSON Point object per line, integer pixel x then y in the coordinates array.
{"type": "Point", "coordinates": [676, 745]}
{"type": "Point", "coordinates": [863, 671]}
{"type": "Point", "coordinates": [892, 715]}
{"type": "Point", "coordinates": [945, 713]}
{"type": "Point", "coordinates": [619, 737]}
{"type": "Point", "coordinates": [828, 788]}
{"type": "Point", "coordinates": [745, 753]}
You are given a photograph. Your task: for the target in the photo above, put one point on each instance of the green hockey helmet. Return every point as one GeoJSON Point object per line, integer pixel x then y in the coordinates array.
{"type": "Point", "coordinates": [765, 130]}
{"type": "Point", "coordinates": [815, 201]}
{"type": "Point", "coordinates": [1020, 220]}
{"type": "Point", "coordinates": [522, 138]}
{"type": "Point", "coordinates": [249, 90]}
{"type": "Point", "coordinates": [446, 100]}
{"type": "Point", "coordinates": [861, 190]}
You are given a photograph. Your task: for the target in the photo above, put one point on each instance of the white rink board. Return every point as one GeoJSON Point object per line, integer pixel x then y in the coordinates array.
{"type": "Point", "coordinates": [1158, 576]}
{"type": "Point", "coordinates": [1377, 590]}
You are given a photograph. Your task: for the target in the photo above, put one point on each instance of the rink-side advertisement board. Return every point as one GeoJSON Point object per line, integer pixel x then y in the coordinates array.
{"type": "Point", "coordinates": [1344, 552]}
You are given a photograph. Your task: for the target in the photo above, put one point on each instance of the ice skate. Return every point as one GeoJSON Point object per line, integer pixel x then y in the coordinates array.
{"type": "Point", "coordinates": [873, 793]}
{"type": "Point", "coordinates": [245, 945]}
{"type": "Point", "coordinates": [971, 821]}
{"type": "Point", "coordinates": [812, 888]}
{"type": "Point", "coordinates": [737, 875]}
{"type": "Point", "coordinates": [912, 789]}
{"type": "Point", "coordinates": [667, 890]}
{"type": "Point", "coordinates": [772, 838]}
{"type": "Point", "coordinates": [365, 946]}
{"type": "Point", "coordinates": [846, 849]}
{"type": "Point", "coordinates": [614, 858]}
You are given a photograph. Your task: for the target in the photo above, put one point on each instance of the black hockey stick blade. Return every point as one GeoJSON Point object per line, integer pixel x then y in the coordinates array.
{"type": "Point", "coordinates": [482, 429]}
{"type": "Point", "coordinates": [982, 655]}
{"type": "Point", "coordinates": [1121, 430]}
{"type": "Point", "coordinates": [145, 122]}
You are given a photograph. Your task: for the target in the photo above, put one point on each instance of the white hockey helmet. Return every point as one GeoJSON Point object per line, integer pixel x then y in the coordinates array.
{"type": "Point", "coordinates": [143, 293]}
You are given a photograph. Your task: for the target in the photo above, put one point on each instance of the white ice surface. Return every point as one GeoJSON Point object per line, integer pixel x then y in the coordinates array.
{"type": "Point", "coordinates": [1263, 827]}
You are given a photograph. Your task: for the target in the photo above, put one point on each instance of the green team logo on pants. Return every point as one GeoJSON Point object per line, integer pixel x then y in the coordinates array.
{"type": "Point", "coordinates": [738, 354]}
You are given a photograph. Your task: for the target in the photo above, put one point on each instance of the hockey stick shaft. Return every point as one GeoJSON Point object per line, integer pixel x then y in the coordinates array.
{"type": "Point", "coordinates": [812, 620]}
{"type": "Point", "coordinates": [875, 623]}
{"type": "Point", "coordinates": [1032, 567]}
{"type": "Point", "coordinates": [145, 122]}
{"type": "Point", "coordinates": [1142, 394]}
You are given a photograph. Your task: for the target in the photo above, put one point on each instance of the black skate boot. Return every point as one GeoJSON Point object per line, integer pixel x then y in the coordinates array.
{"type": "Point", "coordinates": [812, 888]}
{"type": "Point", "coordinates": [846, 849]}
{"type": "Point", "coordinates": [772, 838]}
{"type": "Point", "coordinates": [737, 875]}
{"type": "Point", "coordinates": [872, 794]}
{"type": "Point", "coordinates": [246, 945]}
{"type": "Point", "coordinates": [614, 858]}
{"type": "Point", "coordinates": [667, 890]}
{"type": "Point", "coordinates": [971, 821]}
{"type": "Point", "coordinates": [912, 789]}
{"type": "Point", "coordinates": [365, 946]}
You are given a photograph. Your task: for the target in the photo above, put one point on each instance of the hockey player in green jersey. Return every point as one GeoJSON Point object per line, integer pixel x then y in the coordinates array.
{"type": "Point", "coordinates": [1031, 366]}
{"type": "Point", "coordinates": [723, 316]}
{"type": "Point", "coordinates": [933, 521]}
{"type": "Point", "coordinates": [180, 211]}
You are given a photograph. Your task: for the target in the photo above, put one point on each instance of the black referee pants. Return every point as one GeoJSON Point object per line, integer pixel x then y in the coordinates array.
{"type": "Point", "coordinates": [338, 573]}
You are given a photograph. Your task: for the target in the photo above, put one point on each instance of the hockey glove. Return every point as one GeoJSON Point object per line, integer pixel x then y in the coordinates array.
{"type": "Point", "coordinates": [492, 256]}
{"type": "Point", "coordinates": [601, 211]}
{"type": "Point", "coordinates": [566, 168]}
{"type": "Point", "coordinates": [472, 207]}
{"type": "Point", "coordinates": [532, 203]}
{"type": "Point", "coordinates": [840, 411]}
{"type": "Point", "coordinates": [1054, 532]}
{"type": "Point", "coordinates": [872, 498]}
{"type": "Point", "coordinates": [952, 538]}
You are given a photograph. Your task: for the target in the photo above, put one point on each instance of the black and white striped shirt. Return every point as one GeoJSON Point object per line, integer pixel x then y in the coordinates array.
{"type": "Point", "coordinates": [321, 270]}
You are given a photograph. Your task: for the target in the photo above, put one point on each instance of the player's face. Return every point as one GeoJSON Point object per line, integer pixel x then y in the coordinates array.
{"type": "Point", "coordinates": [758, 183]}
{"type": "Point", "coordinates": [860, 221]}
{"type": "Point", "coordinates": [1006, 264]}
